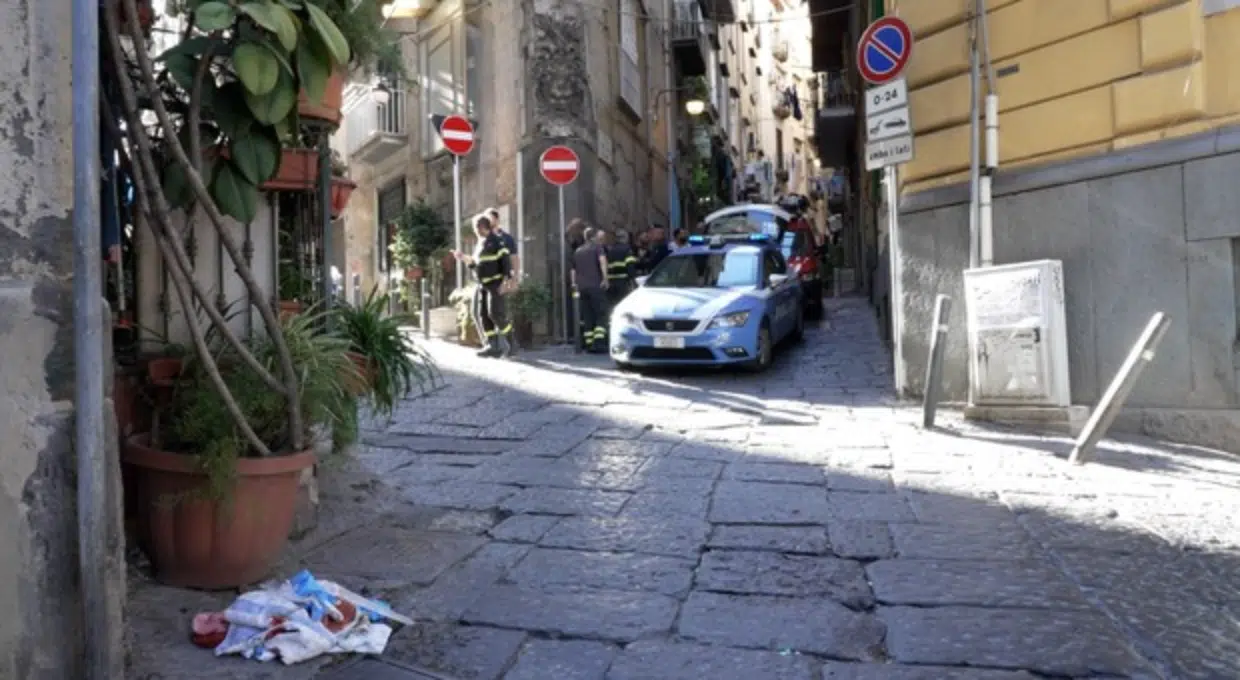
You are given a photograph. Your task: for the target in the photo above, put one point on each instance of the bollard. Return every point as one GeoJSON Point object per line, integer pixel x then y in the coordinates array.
{"type": "Point", "coordinates": [934, 367]}
{"type": "Point", "coordinates": [426, 309]}
{"type": "Point", "coordinates": [576, 321]}
{"type": "Point", "coordinates": [1141, 354]}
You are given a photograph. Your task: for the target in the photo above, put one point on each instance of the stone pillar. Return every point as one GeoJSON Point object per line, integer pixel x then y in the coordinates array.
{"type": "Point", "coordinates": [39, 579]}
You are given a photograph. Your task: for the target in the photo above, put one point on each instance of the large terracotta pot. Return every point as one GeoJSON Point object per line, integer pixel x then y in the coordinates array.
{"type": "Point", "coordinates": [299, 171]}
{"type": "Point", "coordinates": [197, 542]}
{"type": "Point", "coordinates": [163, 371]}
{"type": "Point", "coordinates": [290, 309]}
{"type": "Point", "coordinates": [342, 190]}
{"type": "Point", "coordinates": [327, 108]}
{"type": "Point", "coordinates": [413, 273]}
{"type": "Point", "coordinates": [359, 383]}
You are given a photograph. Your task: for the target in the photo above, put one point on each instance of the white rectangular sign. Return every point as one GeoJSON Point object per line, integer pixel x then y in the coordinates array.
{"type": "Point", "coordinates": [888, 152]}
{"type": "Point", "coordinates": [881, 98]}
{"type": "Point", "coordinates": [893, 123]}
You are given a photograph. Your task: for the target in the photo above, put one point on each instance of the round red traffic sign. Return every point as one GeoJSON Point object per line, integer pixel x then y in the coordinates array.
{"type": "Point", "coordinates": [559, 165]}
{"type": "Point", "coordinates": [458, 135]}
{"type": "Point", "coordinates": [884, 49]}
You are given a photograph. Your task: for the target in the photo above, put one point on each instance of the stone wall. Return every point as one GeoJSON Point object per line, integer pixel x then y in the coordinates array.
{"type": "Point", "coordinates": [39, 585]}
{"type": "Point", "coordinates": [1153, 229]}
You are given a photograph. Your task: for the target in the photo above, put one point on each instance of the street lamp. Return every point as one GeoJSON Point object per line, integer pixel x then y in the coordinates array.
{"type": "Point", "coordinates": [381, 93]}
{"type": "Point", "coordinates": [695, 107]}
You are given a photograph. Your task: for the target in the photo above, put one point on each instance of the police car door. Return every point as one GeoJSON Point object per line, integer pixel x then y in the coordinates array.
{"type": "Point", "coordinates": [784, 313]}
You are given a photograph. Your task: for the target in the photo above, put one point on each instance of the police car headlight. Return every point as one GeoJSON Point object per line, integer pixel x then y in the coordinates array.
{"type": "Point", "coordinates": [624, 320]}
{"type": "Point", "coordinates": [734, 320]}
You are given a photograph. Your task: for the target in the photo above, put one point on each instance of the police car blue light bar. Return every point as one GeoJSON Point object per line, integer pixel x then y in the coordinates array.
{"type": "Point", "coordinates": [697, 240]}
{"type": "Point", "coordinates": [759, 237]}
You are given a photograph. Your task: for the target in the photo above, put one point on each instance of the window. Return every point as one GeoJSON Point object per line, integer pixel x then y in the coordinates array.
{"type": "Point", "coordinates": [451, 57]}
{"type": "Point", "coordinates": [734, 268]}
{"type": "Point", "coordinates": [629, 58]}
{"type": "Point", "coordinates": [793, 244]}
{"type": "Point", "coordinates": [775, 264]}
{"type": "Point", "coordinates": [391, 205]}
{"type": "Point", "coordinates": [748, 222]}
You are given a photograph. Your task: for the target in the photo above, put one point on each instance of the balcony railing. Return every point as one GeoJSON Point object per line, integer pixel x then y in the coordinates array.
{"type": "Point", "coordinates": [375, 130]}
{"type": "Point", "coordinates": [689, 41]}
{"type": "Point", "coordinates": [835, 91]}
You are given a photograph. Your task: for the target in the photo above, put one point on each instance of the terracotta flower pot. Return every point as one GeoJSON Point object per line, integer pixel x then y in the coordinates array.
{"type": "Point", "coordinates": [413, 273]}
{"type": "Point", "coordinates": [359, 383]}
{"type": "Point", "coordinates": [146, 14]}
{"type": "Point", "coordinates": [289, 309]}
{"type": "Point", "coordinates": [342, 190]}
{"type": "Point", "coordinates": [163, 371]}
{"type": "Point", "coordinates": [327, 108]}
{"type": "Point", "coordinates": [299, 171]}
{"type": "Point", "coordinates": [196, 542]}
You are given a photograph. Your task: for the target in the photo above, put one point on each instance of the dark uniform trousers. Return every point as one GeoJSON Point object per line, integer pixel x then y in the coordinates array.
{"type": "Point", "coordinates": [491, 315]}
{"type": "Point", "coordinates": [593, 318]}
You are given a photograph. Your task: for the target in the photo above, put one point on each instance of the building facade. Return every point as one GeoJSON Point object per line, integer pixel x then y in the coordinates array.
{"type": "Point", "coordinates": [1119, 148]}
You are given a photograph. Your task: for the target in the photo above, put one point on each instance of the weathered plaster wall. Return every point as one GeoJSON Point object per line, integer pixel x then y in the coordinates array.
{"type": "Point", "coordinates": [40, 633]}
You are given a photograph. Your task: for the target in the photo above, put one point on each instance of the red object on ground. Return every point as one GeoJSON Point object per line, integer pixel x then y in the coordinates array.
{"type": "Point", "coordinates": [208, 629]}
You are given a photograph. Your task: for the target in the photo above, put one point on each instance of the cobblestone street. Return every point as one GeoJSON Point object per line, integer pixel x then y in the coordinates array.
{"type": "Point", "coordinates": [553, 519]}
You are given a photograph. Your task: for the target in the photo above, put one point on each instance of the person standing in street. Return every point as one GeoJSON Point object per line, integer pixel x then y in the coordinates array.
{"type": "Point", "coordinates": [621, 263]}
{"type": "Point", "coordinates": [491, 265]}
{"type": "Point", "coordinates": [656, 251]}
{"type": "Point", "coordinates": [589, 277]}
{"type": "Point", "coordinates": [514, 255]}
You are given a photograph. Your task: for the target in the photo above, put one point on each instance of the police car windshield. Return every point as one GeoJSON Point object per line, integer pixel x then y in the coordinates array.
{"type": "Point", "coordinates": [733, 268]}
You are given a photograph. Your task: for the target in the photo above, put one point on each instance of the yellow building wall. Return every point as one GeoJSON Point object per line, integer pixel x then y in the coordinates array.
{"type": "Point", "coordinates": [1075, 78]}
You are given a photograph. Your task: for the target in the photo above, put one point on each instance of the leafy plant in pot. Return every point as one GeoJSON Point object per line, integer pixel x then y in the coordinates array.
{"type": "Point", "coordinates": [216, 511]}
{"type": "Point", "coordinates": [462, 300]}
{"type": "Point", "coordinates": [529, 303]}
{"type": "Point", "coordinates": [372, 48]}
{"type": "Point", "coordinates": [391, 365]}
{"type": "Point", "coordinates": [421, 232]}
{"type": "Point", "coordinates": [217, 483]}
{"type": "Point", "coordinates": [342, 186]}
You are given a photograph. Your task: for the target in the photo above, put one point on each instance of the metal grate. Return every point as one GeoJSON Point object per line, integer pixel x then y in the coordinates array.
{"type": "Point", "coordinates": [670, 325]}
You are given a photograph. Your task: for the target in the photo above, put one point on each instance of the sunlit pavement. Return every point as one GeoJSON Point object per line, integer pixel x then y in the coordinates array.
{"type": "Point", "coordinates": [588, 523]}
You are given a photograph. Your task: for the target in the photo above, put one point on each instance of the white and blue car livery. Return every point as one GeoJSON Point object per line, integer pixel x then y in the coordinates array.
{"type": "Point", "coordinates": [718, 301]}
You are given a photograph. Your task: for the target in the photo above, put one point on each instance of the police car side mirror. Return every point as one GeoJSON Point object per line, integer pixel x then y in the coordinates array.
{"type": "Point", "coordinates": [641, 280]}
{"type": "Point", "coordinates": [777, 279]}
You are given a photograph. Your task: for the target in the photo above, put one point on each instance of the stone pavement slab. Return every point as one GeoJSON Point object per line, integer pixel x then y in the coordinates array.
{"type": "Point", "coordinates": [550, 517]}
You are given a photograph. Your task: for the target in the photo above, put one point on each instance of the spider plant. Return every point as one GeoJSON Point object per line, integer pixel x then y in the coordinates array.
{"type": "Point", "coordinates": [395, 366]}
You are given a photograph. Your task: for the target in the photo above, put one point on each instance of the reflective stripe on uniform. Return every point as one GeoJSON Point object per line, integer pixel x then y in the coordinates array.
{"type": "Point", "coordinates": [493, 257]}
{"type": "Point", "coordinates": [506, 329]}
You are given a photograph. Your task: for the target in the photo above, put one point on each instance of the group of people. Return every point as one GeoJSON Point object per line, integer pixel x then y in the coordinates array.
{"type": "Point", "coordinates": [604, 267]}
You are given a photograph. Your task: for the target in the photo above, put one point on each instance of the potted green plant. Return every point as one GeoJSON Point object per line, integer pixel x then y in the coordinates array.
{"type": "Point", "coordinates": [372, 47]}
{"type": "Point", "coordinates": [342, 186]}
{"type": "Point", "coordinates": [215, 503]}
{"type": "Point", "coordinates": [529, 303]}
{"type": "Point", "coordinates": [392, 365]}
{"type": "Point", "coordinates": [207, 124]}
{"type": "Point", "coordinates": [421, 232]}
{"type": "Point", "coordinates": [462, 300]}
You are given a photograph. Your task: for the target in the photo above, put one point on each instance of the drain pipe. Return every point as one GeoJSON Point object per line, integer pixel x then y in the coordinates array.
{"type": "Point", "coordinates": [974, 147]}
{"type": "Point", "coordinates": [88, 400]}
{"type": "Point", "coordinates": [985, 211]}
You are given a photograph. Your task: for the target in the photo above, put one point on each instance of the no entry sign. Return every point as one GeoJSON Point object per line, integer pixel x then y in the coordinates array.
{"type": "Point", "coordinates": [559, 165]}
{"type": "Point", "coordinates": [884, 50]}
{"type": "Point", "coordinates": [457, 134]}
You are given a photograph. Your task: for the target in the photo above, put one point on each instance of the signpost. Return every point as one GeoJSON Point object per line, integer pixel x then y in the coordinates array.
{"type": "Point", "coordinates": [457, 134]}
{"type": "Point", "coordinates": [560, 166]}
{"type": "Point", "coordinates": [882, 54]}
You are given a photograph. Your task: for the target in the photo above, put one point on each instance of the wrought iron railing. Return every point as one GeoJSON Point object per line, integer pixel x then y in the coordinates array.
{"type": "Point", "coordinates": [687, 21]}
{"type": "Point", "coordinates": [835, 90]}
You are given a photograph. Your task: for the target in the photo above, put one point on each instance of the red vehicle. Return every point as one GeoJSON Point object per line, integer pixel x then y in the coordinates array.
{"type": "Point", "coordinates": [788, 224]}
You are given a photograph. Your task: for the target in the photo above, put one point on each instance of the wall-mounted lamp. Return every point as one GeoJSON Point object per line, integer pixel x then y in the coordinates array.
{"type": "Point", "coordinates": [381, 93]}
{"type": "Point", "coordinates": [695, 107]}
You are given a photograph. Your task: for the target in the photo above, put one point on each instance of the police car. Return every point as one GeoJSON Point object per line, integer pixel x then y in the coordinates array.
{"type": "Point", "coordinates": [720, 300]}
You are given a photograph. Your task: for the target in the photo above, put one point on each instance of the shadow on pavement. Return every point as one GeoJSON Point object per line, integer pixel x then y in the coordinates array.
{"type": "Point", "coordinates": [555, 522]}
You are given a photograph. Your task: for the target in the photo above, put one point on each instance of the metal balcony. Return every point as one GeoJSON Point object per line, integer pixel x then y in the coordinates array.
{"type": "Point", "coordinates": [375, 130]}
{"type": "Point", "coordinates": [689, 41]}
{"type": "Point", "coordinates": [835, 121]}
{"type": "Point", "coordinates": [721, 11]}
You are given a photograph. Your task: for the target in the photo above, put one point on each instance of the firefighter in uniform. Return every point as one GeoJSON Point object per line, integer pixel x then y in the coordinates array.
{"type": "Point", "coordinates": [621, 263]}
{"type": "Point", "coordinates": [491, 264]}
{"type": "Point", "coordinates": [589, 277]}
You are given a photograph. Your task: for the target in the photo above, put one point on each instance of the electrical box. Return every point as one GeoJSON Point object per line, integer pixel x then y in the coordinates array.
{"type": "Point", "coordinates": [1018, 335]}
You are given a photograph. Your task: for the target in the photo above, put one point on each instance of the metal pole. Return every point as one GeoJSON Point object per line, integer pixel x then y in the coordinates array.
{"type": "Point", "coordinates": [563, 263]}
{"type": "Point", "coordinates": [456, 216]}
{"type": "Point", "coordinates": [93, 509]}
{"type": "Point", "coordinates": [521, 213]}
{"type": "Point", "coordinates": [974, 147]}
{"type": "Point", "coordinates": [576, 320]}
{"type": "Point", "coordinates": [985, 213]}
{"type": "Point", "coordinates": [426, 306]}
{"type": "Point", "coordinates": [325, 204]}
{"type": "Point", "coordinates": [669, 11]}
{"type": "Point", "coordinates": [897, 273]}
{"type": "Point", "coordinates": [934, 367]}
{"type": "Point", "coordinates": [1141, 354]}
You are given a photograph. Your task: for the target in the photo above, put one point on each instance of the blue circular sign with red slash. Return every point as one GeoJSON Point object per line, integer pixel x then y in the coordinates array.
{"type": "Point", "coordinates": [884, 49]}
